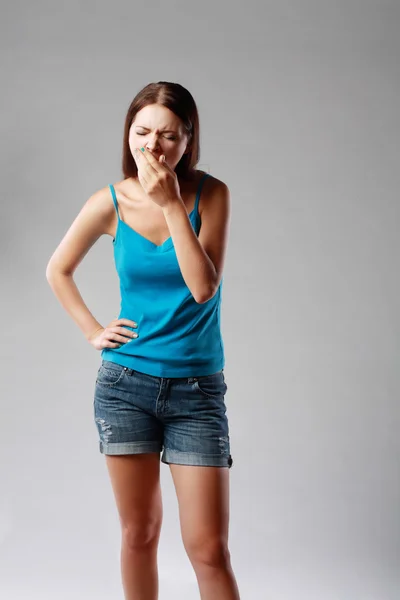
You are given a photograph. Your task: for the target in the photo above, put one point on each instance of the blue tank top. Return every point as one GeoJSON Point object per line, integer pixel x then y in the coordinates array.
{"type": "Point", "coordinates": [177, 337]}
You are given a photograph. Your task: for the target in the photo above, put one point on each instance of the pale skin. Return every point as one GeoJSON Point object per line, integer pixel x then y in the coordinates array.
{"type": "Point", "coordinates": [156, 204]}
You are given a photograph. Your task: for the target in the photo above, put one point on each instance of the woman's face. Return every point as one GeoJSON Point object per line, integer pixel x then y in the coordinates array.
{"type": "Point", "coordinates": [161, 131]}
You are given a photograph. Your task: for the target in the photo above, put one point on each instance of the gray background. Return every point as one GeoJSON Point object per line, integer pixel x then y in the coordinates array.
{"type": "Point", "coordinates": [299, 115]}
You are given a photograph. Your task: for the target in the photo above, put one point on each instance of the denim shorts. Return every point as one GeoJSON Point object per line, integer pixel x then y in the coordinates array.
{"type": "Point", "coordinates": [184, 418]}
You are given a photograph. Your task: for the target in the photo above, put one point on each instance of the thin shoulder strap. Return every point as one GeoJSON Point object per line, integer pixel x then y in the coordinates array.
{"type": "Point", "coordinates": [200, 186]}
{"type": "Point", "coordinates": [114, 197]}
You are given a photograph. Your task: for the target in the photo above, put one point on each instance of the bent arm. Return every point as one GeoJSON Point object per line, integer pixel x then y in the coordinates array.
{"type": "Point", "coordinates": [66, 291]}
{"type": "Point", "coordinates": [201, 259]}
{"type": "Point", "coordinates": [92, 222]}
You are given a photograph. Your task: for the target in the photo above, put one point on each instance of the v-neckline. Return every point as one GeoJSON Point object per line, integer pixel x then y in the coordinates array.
{"type": "Point", "coordinates": [166, 244]}
{"type": "Point", "coordinates": [157, 247]}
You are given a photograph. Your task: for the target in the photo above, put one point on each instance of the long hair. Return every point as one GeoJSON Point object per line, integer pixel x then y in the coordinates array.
{"type": "Point", "coordinates": [180, 101]}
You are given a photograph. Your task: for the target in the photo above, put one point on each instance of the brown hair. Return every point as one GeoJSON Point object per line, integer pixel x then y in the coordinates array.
{"type": "Point", "coordinates": [180, 101]}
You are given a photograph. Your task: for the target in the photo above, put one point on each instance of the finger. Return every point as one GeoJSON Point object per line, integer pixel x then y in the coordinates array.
{"type": "Point", "coordinates": [123, 330]}
{"type": "Point", "coordinates": [148, 160]}
{"type": "Point", "coordinates": [165, 164]}
{"type": "Point", "coordinates": [127, 333]}
{"type": "Point", "coordinates": [143, 181]}
{"type": "Point", "coordinates": [128, 322]}
{"type": "Point", "coordinates": [120, 339]}
{"type": "Point", "coordinates": [117, 336]}
{"type": "Point", "coordinates": [145, 170]}
{"type": "Point", "coordinates": [122, 321]}
{"type": "Point", "coordinates": [151, 159]}
{"type": "Point", "coordinates": [143, 176]}
{"type": "Point", "coordinates": [139, 158]}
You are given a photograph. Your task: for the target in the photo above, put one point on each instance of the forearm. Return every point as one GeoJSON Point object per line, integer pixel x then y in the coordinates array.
{"type": "Point", "coordinates": [66, 291]}
{"type": "Point", "coordinates": [196, 267]}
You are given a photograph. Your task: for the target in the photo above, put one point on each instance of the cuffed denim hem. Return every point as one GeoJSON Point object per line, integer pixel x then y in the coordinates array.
{"type": "Point", "coordinates": [130, 447]}
{"type": "Point", "coordinates": [190, 458]}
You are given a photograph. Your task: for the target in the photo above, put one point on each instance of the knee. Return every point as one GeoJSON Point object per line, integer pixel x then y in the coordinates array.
{"type": "Point", "coordinates": [210, 552]}
{"type": "Point", "coordinates": [139, 535]}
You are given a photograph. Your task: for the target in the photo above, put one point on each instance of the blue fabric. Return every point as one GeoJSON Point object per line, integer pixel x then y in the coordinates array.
{"type": "Point", "coordinates": [177, 337]}
{"type": "Point", "coordinates": [185, 417]}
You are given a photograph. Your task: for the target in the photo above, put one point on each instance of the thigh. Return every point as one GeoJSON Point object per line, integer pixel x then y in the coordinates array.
{"type": "Point", "coordinates": [135, 481]}
{"type": "Point", "coordinates": [203, 498]}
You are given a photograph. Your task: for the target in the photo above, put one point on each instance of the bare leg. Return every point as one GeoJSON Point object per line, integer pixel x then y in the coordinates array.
{"type": "Point", "coordinates": [135, 480]}
{"type": "Point", "coordinates": [203, 496]}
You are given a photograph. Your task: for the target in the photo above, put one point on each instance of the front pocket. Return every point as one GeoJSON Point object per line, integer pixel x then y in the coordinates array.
{"type": "Point", "coordinates": [110, 375]}
{"type": "Point", "coordinates": [212, 386]}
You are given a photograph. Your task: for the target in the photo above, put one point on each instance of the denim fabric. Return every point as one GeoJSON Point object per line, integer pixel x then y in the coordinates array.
{"type": "Point", "coordinates": [182, 417]}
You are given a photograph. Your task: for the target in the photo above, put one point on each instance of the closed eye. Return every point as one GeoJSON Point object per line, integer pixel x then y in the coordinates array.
{"type": "Point", "coordinates": [168, 138]}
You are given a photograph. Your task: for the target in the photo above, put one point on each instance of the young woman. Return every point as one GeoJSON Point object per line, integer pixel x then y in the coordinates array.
{"type": "Point", "coordinates": [160, 385]}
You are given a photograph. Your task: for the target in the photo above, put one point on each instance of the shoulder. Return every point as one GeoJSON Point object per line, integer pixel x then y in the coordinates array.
{"type": "Point", "coordinates": [215, 195]}
{"type": "Point", "coordinates": [101, 196]}
{"type": "Point", "coordinates": [91, 223]}
{"type": "Point", "coordinates": [214, 184]}
{"type": "Point", "coordinates": [100, 205]}
{"type": "Point", "coordinates": [101, 201]}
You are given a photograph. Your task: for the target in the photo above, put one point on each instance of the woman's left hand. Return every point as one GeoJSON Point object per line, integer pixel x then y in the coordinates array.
{"type": "Point", "coordinates": [157, 179]}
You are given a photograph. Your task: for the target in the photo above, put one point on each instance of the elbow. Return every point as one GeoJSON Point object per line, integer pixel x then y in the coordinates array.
{"type": "Point", "coordinates": [48, 273]}
{"type": "Point", "coordinates": [52, 272]}
{"type": "Point", "coordinates": [50, 269]}
{"type": "Point", "coordinates": [204, 296]}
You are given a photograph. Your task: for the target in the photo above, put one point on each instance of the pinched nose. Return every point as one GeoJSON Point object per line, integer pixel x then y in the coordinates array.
{"type": "Point", "coordinates": [155, 153]}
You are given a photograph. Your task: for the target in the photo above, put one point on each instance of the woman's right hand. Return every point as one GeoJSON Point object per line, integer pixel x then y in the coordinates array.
{"type": "Point", "coordinates": [114, 335]}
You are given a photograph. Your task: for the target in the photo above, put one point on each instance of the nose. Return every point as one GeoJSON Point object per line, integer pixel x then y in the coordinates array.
{"type": "Point", "coordinates": [152, 144]}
